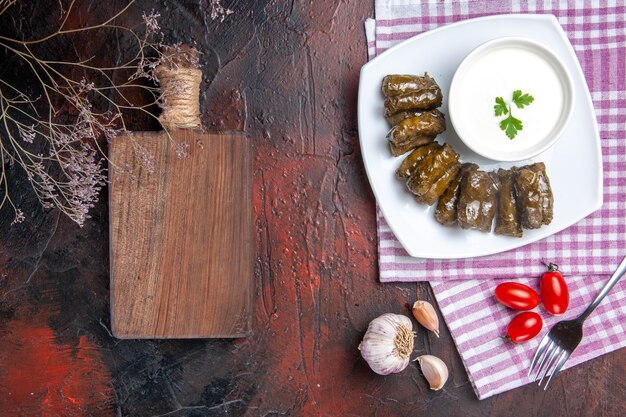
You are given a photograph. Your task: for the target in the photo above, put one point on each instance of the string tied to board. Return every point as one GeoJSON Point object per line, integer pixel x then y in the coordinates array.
{"type": "Point", "coordinates": [179, 78]}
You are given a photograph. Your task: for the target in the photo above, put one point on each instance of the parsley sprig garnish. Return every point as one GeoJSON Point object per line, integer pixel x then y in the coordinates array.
{"type": "Point", "coordinates": [511, 125]}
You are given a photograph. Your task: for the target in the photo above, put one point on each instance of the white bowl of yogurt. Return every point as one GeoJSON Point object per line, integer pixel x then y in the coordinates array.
{"type": "Point", "coordinates": [510, 99]}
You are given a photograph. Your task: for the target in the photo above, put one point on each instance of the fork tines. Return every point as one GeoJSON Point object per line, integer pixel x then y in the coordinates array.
{"type": "Point", "coordinates": [548, 354]}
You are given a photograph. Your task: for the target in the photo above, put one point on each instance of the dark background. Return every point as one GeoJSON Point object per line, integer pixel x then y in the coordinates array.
{"type": "Point", "coordinates": [286, 73]}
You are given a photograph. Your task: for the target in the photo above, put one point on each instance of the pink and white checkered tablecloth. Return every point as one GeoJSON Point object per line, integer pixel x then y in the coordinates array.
{"type": "Point", "coordinates": [588, 251]}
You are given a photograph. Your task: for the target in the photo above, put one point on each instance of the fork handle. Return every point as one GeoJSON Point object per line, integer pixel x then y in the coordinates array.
{"type": "Point", "coordinates": [619, 272]}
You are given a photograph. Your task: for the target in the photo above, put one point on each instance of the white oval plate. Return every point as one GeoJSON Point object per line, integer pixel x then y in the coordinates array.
{"type": "Point", "coordinates": [574, 163]}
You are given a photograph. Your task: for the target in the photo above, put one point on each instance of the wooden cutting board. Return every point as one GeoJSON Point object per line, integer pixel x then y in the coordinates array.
{"type": "Point", "coordinates": [181, 237]}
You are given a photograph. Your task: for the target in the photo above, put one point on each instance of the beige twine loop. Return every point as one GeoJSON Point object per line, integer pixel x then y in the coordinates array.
{"type": "Point", "coordinates": [180, 85]}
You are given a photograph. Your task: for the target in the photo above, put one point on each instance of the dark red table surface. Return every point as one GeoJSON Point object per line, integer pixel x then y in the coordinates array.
{"type": "Point", "coordinates": [287, 74]}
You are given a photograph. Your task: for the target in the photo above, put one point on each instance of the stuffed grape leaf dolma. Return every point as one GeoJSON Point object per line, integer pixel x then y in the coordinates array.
{"type": "Point", "coordinates": [410, 162]}
{"type": "Point", "coordinates": [439, 186]}
{"type": "Point", "coordinates": [396, 118]}
{"type": "Point", "coordinates": [433, 174]}
{"type": "Point", "coordinates": [416, 131]}
{"type": "Point", "coordinates": [425, 99]}
{"type": "Point", "coordinates": [410, 92]}
{"type": "Point", "coordinates": [534, 196]}
{"type": "Point", "coordinates": [398, 84]}
{"type": "Point", "coordinates": [400, 148]}
{"type": "Point", "coordinates": [477, 201]}
{"type": "Point", "coordinates": [507, 220]}
{"type": "Point", "coordinates": [445, 213]}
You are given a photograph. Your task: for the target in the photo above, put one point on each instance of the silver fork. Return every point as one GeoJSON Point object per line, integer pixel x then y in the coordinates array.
{"type": "Point", "coordinates": [557, 346]}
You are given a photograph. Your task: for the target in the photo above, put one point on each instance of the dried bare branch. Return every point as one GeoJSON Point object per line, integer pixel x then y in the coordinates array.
{"type": "Point", "coordinates": [71, 116]}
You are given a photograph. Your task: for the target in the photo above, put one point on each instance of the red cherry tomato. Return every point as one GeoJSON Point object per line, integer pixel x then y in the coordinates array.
{"type": "Point", "coordinates": [554, 292]}
{"type": "Point", "coordinates": [524, 327]}
{"type": "Point", "coordinates": [517, 296]}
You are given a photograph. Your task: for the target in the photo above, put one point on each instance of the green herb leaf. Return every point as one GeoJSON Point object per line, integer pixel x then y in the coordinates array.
{"type": "Point", "coordinates": [500, 107]}
{"type": "Point", "coordinates": [511, 126]}
{"type": "Point", "coordinates": [522, 100]}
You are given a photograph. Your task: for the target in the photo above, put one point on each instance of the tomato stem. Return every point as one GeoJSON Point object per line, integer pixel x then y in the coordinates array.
{"type": "Point", "coordinates": [552, 267]}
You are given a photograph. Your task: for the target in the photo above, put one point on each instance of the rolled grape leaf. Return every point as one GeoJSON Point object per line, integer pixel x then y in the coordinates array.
{"type": "Point", "coordinates": [402, 147]}
{"type": "Point", "coordinates": [424, 99]}
{"type": "Point", "coordinates": [446, 213]}
{"type": "Point", "coordinates": [507, 220]}
{"type": "Point", "coordinates": [534, 196]}
{"type": "Point", "coordinates": [476, 207]}
{"type": "Point", "coordinates": [394, 119]}
{"type": "Point", "coordinates": [424, 180]}
{"type": "Point", "coordinates": [398, 84]}
{"type": "Point", "coordinates": [427, 123]}
{"type": "Point", "coordinates": [410, 162]}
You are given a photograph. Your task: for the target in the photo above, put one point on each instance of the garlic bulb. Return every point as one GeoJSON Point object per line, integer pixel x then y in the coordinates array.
{"type": "Point", "coordinates": [435, 371]}
{"type": "Point", "coordinates": [425, 314]}
{"type": "Point", "coordinates": [388, 343]}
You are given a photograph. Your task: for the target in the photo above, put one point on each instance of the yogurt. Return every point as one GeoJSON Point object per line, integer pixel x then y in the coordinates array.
{"type": "Point", "coordinates": [497, 69]}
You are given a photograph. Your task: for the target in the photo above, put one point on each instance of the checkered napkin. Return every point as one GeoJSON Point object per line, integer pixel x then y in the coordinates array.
{"type": "Point", "coordinates": [588, 251]}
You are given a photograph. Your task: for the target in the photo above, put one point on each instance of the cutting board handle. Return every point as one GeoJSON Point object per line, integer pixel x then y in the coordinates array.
{"type": "Point", "coordinates": [179, 78]}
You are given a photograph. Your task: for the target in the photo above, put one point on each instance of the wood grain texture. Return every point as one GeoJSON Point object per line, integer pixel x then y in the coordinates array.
{"type": "Point", "coordinates": [181, 237]}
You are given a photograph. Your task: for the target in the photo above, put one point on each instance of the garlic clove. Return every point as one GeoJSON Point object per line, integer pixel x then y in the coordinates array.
{"type": "Point", "coordinates": [425, 314]}
{"type": "Point", "coordinates": [435, 371]}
